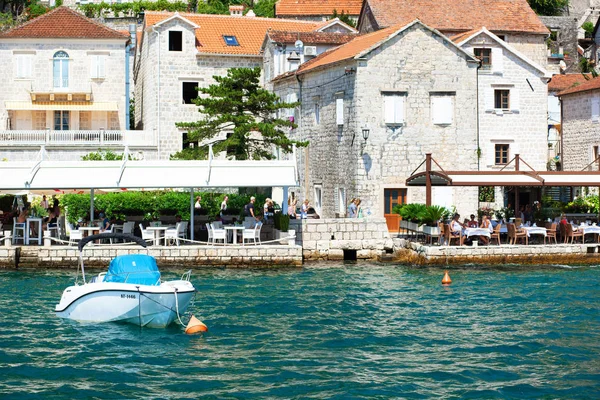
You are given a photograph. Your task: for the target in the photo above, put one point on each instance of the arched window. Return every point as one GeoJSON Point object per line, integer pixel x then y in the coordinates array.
{"type": "Point", "coordinates": [60, 69]}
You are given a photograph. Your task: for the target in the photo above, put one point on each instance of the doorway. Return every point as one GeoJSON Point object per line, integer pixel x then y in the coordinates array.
{"type": "Point", "coordinates": [391, 198]}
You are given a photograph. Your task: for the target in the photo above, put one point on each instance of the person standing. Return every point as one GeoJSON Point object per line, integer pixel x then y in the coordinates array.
{"type": "Point", "coordinates": [359, 212]}
{"type": "Point", "coordinates": [44, 203]}
{"type": "Point", "coordinates": [249, 208]}
{"type": "Point", "coordinates": [352, 210]}
{"type": "Point", "coordinates": [304, 209]}
{"type": "Point", "coordinates": [198, 206]}
{"type": "Point", "coordinates": [223, 205]}
{"type": "Point", "coordinates": [292, 204]}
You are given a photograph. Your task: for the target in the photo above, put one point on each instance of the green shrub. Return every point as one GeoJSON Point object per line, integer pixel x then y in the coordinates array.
{"type": "Point", "coordinates": [281, 221]}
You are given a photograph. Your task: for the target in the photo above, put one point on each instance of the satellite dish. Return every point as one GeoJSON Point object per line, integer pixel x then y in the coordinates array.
{"type": "Point", "coordinates": [299, 44]}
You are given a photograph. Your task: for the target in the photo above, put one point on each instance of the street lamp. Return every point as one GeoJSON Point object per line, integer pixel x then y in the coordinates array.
{"type": "Point", "coordinates": [365, 132]}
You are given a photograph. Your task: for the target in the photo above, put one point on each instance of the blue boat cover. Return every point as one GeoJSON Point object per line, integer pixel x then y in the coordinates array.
{"type": "Point", "coordinates": [139, 269]}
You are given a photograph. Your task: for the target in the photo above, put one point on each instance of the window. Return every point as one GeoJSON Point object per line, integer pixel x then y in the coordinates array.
{"type": "Point", "coordinates": [501, 99]}
{"type": "Point", "coordinates": [501, 154]}
{"type": "Point", "coordinates": [186, 143]}
{"type": "Point", "coordinates": [341, 200]}
{"type": "Point", "coordinates": [485, 55]}
{"type": "Point", "coordinates": [61, 120]}
{"type": "Point", "coordinates": [502, 37]}
{"type": "Point", "coordinates": [339, 111]}
{"type": "Point", "coordinates": [189, 92]}
{"type": "Point", "coordinates": [317, 113]}
{"type": "Point", "coordinates": [394, 108]}
{"type": "Point", "coordinates": [24, 66]}
{"type": "Point", "coordinates": [318, 198]}
{"type": "Point", "coordinates": [442, 108]}
{"type": "Point", "coordinates": [97, 66]}
{"type": "Point", "coordinates": [231, 40]}
{"type": "Point", "coordinates": [60, 69]}
{"type": "Point", "coordinates": [595, 109]}
{"type": "Point", "coordinates": [175, 41]}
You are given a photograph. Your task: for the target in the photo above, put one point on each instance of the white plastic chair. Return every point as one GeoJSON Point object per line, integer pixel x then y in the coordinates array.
{"type": "Point", "coordinates": [257, 229]}
{"type": "Point", "coordinates": [175, 234]}
{"type": "Point", "coordinates": [249, 234]}
{"type": "Point", "coordinates": [128, 228]}
{"type": "Point", "coordinates": [210, 235]}
{"type": "Point", "coordinates": [18, 226]}
{"type": "Point", "coordinates": [109, 230]}
{"type": "Point", "coordinates": [146, 234]}
{"type": "Point", "coordinates": [74, 234]}
{"type": "Point", "coordinates": [218, 234]}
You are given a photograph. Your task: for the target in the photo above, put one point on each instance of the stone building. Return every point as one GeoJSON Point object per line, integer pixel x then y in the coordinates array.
{"type": "Point", "coordinates": [317, 10]}
{"type": "Point", "coordinates": [511, 20]}
{"type": "Point", "coordinates": [372, 108]}
{"type": "Point", "coordinates": [180, 52]}
{"type": "Point", "coordinates": [65, 88]}
{"type": "Point", "coordinates": [581, 126]}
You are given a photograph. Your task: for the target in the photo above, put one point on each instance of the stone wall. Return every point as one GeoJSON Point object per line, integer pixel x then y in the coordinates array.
{"type": "Point", "coordinates": [566, 28]}
{"type": "Point", "coordinates": [183, 256]}
{"type": "Point", "coordinates": [328, 238]}
{"type": "Point", "coordinates": [579, 133]}
{"type": "Point", "coordinates": [175, 68]}
{"type": "Point", "coordinates": [416, 62]}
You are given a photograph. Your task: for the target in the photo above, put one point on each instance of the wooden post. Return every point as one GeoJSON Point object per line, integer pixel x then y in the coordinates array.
{"type": "Point", "coordinates": [517, 208]}
{"type": "Point", "coordinates": [428, 179]}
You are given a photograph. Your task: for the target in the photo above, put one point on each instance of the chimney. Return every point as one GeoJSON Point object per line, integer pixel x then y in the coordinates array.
{"type": "Point", "coordinates": [236, 11]}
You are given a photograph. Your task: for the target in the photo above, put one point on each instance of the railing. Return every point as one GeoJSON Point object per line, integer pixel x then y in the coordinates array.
{"type": "Point", "coordinates": [77, 138]}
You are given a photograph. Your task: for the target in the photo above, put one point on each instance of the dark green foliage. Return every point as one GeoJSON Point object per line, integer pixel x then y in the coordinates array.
{"type": "Point", "coordinates": [238, 107]}
{"type": "Point", "coordinates": [486, 194]}
{"type": "Point", "coordinates": [549, 7]}
{"type": "Point", "coordinates": [265, 8]}
{"type": "Point", "coordinates": [345, 18]}
{"type": "Point", "coordinates": [281, 221]}
{"type": "Point", "coordinates": [588, 27]}
{"type": "Point", "coordinates": [431, 215]}
{"type": "Point", "coordinates": [134, 8]}
{"type": "Point", "coordinates": [102, 155]}
{"type": "Point", "coordinates": [152, 205]}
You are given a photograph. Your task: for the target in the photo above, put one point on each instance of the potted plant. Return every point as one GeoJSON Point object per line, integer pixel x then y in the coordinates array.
{"type": "Point", "coordinates": [411, 212]}
{"type": "Point", "coordinates": [430, 217]}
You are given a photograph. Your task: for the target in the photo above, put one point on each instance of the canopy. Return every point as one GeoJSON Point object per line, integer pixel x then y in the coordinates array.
{"type": "Point", "coordinates": [137, 269]}
{"type": "Point", "coordinates": [61, 105]}
{"type": "Point", "coordinates": [77, 175]}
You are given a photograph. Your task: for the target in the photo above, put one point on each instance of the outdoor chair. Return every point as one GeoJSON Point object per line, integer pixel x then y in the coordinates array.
{"type": "Point", "coordinates": [518, 222]}
{"type": "Point", "coordinates": [563, 232]}
{"type": "Point", "coordinates": [18, 226]}
{"type": "Point", "coordinates": [174, 234]}
{"type": "Point", "coordinates": [218, 234]}
{"type": "Point", "coordinates": [128, 228]}
{"type": "Point", "coordinates": [496, 233]}
{"type": "Point", "coordinates": [570, 233]}
{"type": "Point", "coordinates": [249, 234]}
{"type": "Point", "coordinates": [146, 234]}
{"type": "Point", "coordinates": [258, 227]}
{"type": "Point", "coordinates": [551, 233]}
{"type": "Point", "coordinates": [449, 236]}
{"type": "Point", "coordinates": [109, 230]}
{"type": "Point", "coordinates": [74, 235]}
{"type": "Point", "coordinates": [210, 235]}
{"type": "Point", "coordinates": [514, 235]}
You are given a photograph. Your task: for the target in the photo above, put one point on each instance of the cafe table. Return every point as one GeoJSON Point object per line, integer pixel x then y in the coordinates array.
{"type": "Point", "coordinates": [37, 223]}
{"type": "Point", "coordinates": [234, 229]}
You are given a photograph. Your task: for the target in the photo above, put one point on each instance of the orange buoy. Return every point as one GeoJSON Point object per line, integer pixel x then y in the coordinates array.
{"type": "Point", "coordinates": [195, 326]}
{"type": "Point", "coordinates": [446, 279]}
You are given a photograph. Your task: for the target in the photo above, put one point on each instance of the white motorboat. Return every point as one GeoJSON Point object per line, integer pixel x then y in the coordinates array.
{"type": "Point", "coordinates": [130, 291]}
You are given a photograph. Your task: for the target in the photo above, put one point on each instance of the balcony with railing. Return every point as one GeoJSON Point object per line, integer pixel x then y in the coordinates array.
{"type": "Point", "coordinates": [77, 138]}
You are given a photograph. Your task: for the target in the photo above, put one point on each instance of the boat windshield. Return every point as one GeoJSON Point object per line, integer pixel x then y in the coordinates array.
{"type": "Point", "coordinates": [139, 269]}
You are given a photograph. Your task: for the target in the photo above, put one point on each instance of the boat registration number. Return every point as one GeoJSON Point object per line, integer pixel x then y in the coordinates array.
{"type": "Point", "coordinates": [128, 296]}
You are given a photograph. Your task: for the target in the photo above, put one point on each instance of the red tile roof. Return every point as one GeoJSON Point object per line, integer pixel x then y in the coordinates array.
{"type": "Point", "coordinates": [311, 37]}
{"type": "Point", "coordinates": [564, 82]}
{"type": "Point", "coordinates": [249, 31]}
{"type": "Point", "coordinates": [460, 15]}
{"type": "Point", "coordinates": [348, 50]}
{"type": "Point", "coordinates": [591, 84]}
{"type": "Point", "coordinates": [286, 8]}
{"type": "Point", "coordinates": [62, 22]}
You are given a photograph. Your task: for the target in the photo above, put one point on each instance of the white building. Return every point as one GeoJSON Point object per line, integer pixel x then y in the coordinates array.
{"type": "Point", "coordinates": [66, 88]}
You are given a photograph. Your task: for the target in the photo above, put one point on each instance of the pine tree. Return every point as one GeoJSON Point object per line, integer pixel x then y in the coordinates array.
{"type": "Point", "coordinates": [242, 113]}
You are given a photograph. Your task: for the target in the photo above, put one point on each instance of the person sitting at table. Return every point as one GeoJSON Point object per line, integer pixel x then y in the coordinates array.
{"type": "Point", "coordinates": [485, 224]}
{"type": "Point", "coordinates": [22, 218]}
{"type": "Point", "coordinates": [456, 228]}
{"type": "Point", "coordinates": [105, 223]}
{"type": "Point", "coordinates": [473, 222]}
{"type": "Point", "coordinates": [50, 221]}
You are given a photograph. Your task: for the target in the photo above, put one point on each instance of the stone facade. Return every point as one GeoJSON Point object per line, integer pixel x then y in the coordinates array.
{"type": "Point", "coordinates": [580, 133]}
{"type": "Point", "coordinates": [39, 54]}
{"type": "Point", "coordinates": [415, 64]}
{"type": "Point", "coordinates": [565, 45]}
{"type": "Point", "coordinates": [160, 74]}
{"type": "Point", "coordinates": [329, 239]}
{"type": "Point", "coordinates": [523, 126]}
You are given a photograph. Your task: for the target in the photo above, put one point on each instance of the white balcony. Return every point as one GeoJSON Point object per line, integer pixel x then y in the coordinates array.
{"type": "Point", "coordinates": [77, 138]}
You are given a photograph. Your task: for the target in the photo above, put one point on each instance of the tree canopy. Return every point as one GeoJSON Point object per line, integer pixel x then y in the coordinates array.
{"type": "Point", "coordinates": [549, 7]}
{"type": "Point", "coordinates": [241, 117]}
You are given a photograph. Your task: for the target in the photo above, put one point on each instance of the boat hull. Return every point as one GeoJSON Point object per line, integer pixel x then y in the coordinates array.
{"type": "Point", "coordinates": [149, 306]}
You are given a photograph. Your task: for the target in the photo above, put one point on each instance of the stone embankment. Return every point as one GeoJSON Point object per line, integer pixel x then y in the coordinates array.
{"type": "Point", "coordinates": [418, 254]}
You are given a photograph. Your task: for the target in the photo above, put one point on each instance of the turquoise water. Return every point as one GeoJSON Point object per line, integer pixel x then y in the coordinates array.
{"type": "Point", "coordinates": [325, 331]}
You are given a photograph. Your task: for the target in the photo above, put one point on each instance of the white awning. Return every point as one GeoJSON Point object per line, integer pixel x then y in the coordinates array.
{"type": "Point", "coordinates": [82, 175]}
{"type": "Point", "coordinates": [61, 105]}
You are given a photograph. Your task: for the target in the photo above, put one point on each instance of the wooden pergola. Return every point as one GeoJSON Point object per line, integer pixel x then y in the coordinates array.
{"type": "Point", "coordinates": [516, 178]}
